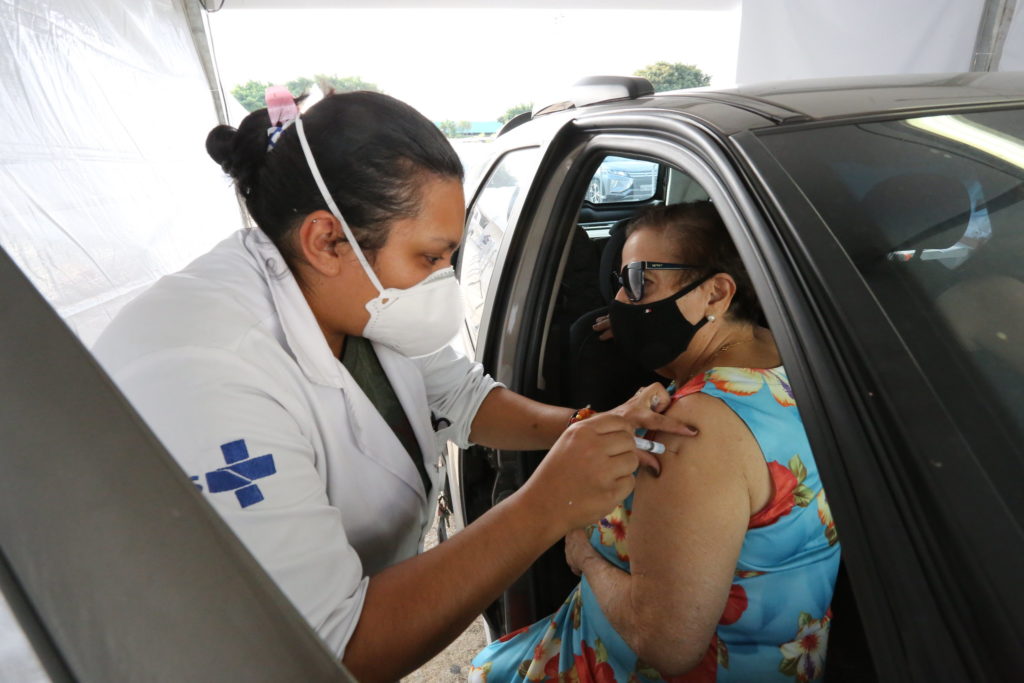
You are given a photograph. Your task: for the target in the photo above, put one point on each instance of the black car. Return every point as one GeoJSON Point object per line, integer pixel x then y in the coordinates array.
{"type": "Point", "coordinates": [882, 222]}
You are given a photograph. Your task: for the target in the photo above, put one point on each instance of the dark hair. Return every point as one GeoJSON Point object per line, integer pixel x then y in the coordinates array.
{"type": "Point", "coordinates": [700, 238]}
{"type": "Point", "coordinates": [373, 151]}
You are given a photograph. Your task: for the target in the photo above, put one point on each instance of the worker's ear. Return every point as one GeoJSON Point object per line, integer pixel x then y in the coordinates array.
{"type": "Point", "coordinates": [321, 243]}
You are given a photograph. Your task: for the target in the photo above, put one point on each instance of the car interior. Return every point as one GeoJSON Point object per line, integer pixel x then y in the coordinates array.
{"type": "Point", "coordinates": [577, 369]}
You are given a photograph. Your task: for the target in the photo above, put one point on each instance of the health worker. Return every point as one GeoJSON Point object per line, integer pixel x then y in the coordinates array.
{"type": "Point", "coordinates": [300, 374]}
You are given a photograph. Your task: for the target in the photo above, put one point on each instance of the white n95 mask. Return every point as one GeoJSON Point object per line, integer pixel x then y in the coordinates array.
{"type": "Point", "coordinates": [415, 321]}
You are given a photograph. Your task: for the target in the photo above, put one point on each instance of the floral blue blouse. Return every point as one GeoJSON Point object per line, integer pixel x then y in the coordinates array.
{"type": "Point", "coordinates": [776, 620]}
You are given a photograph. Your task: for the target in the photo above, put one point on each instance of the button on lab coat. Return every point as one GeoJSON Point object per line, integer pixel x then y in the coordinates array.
{"type": "Point", "coordinates": [227, 364]}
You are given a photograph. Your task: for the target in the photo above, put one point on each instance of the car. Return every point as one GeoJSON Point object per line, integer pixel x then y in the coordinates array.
{"type": "Point", "coordinates": [620, 179]}
{"type": "Point", "coordinates": [882, 223]}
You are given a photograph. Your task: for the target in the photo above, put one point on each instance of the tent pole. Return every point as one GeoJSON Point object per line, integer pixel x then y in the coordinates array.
{"type": "Point", "coordinates": [992, 29]}
{"type": "Point", "coordinates": [198, 25]}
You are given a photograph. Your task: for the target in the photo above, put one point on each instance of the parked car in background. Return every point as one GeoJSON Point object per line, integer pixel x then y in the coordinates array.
{"type": "Point", "coordinates": [882, 223]}
{"type": "Point", "coordinates": [620, 179]}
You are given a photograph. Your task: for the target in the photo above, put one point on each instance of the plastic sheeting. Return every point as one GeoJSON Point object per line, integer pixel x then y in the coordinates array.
{"type": "Point", "coordinates": [787, 39]}
{"type": "Point", "coordinates": [105, 184]}
{"type": "Point", "coordinates": [1013, 49]}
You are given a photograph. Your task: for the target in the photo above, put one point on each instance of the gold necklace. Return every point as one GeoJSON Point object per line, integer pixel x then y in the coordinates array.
{"type": "Point", "coordinates": [721, 349]}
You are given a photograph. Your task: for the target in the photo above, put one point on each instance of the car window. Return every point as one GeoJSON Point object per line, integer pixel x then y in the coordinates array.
{"type": "Point", "coordinates": [488, 221]}
{"type": "Point", "coordinates": [620, 179]}
{"type": "Point", "coordinates": [931, 211]}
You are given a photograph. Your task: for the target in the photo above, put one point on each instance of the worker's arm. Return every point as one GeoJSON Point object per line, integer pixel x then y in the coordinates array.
{"type": "Point", "coordinates": [415, 608]}
{"type": "Point", "coordinates": [508, 420]}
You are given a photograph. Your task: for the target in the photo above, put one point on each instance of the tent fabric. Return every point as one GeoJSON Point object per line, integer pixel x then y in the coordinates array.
{"type": "Point", "coordinates": [104, 181]}
{"type": "Point", "coordinates": [105, 184]}
{"type": "Point", "coordinates": [18, 662]}
{"type": "Point", "coordinates": [792, 39]}
{"type": "Point", "coordinates": [1013, 49]}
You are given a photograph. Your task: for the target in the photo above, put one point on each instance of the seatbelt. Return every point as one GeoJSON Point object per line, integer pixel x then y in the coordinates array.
{"type": "Point", "coordinates": [361, 361]}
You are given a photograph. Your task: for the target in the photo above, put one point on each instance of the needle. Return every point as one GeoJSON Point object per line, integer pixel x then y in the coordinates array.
{"type": "Point", "coordinates": [649, 446]}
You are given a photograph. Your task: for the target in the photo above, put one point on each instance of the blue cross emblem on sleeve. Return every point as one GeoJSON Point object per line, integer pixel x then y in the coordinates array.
{"type": "Point", "coordinates": [240, 473]}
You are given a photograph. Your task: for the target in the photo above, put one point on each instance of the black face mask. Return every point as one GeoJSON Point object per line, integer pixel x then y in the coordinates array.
{"type": "Point", "coordinates": [654, 334]}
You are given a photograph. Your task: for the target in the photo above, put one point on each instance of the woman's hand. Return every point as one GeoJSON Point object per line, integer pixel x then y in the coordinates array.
{"type": "Point", "coordinates": [578, 550]}
{"type": "Point", "coordinates": [603, 324]}
{"type": "Point", "coordinates": [587, 472]}
{"type": "Point", "coordinates": [645, 410]}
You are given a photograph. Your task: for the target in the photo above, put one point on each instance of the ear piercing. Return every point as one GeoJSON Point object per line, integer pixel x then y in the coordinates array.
{"type": "Point", "coordinates": [711, 318]}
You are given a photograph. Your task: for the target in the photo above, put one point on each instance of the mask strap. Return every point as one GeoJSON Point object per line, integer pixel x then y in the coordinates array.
{"type": "Point", "coordinates": [690, 287]}
{"type": "Point", "coordinates": [332, 206]}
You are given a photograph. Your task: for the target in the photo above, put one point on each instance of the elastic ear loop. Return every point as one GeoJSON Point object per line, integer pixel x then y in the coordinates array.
{"type": "Point", "coordinates": [332, 206]}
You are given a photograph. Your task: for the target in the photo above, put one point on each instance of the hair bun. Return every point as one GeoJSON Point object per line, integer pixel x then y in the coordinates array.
{"type": "Point", "coordinates": [220, 146]}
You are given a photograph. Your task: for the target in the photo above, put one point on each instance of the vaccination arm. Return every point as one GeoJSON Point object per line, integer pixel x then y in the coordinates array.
{"type": "Point", "coordinates": [685, 534]}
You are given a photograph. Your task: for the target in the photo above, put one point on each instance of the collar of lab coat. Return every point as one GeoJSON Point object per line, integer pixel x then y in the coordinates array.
{"type": "Point", "coordinates": [301, 330]}
{"type": "Point", "coordinates": [314, 357]}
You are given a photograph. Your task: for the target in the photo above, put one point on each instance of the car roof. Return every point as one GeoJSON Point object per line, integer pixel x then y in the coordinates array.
{"type": "Point", "coordinates": [782, 103]}
{"type": "Point", "coordinates": [820, 99]}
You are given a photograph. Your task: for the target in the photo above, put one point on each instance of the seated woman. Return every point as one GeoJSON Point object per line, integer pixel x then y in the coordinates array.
{"type": "Point", "coordinates": [723, 567]}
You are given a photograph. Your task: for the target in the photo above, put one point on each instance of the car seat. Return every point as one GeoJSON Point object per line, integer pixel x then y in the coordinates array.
{"type": "Point", "coordinates": [600, 373]}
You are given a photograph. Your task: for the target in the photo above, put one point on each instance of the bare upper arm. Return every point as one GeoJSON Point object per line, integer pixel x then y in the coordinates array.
{"type": "Point", "coordinates": [687, 526]}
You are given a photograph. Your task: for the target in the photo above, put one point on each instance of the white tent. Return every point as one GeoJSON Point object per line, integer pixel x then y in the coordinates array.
{"type": "Point", "coordinates": [105, 183]}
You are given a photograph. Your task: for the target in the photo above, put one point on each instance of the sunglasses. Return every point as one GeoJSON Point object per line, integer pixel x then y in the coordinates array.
{"type": "Point", "coordinates": [631, 279]}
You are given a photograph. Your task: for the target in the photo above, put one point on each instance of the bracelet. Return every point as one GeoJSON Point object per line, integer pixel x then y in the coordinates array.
{"type": "Point", "coordinates": [581, 414]}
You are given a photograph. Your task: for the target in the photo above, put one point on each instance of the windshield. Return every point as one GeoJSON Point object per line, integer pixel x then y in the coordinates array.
{"type": "Point", "coordinates": [931, 212]}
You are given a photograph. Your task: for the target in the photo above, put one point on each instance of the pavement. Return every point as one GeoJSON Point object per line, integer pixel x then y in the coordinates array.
{"type": "Point", "coordinates": [452, 664]}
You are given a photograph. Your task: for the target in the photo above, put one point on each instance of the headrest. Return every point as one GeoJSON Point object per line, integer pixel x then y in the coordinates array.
{"type": "Point", "coordinates": [918, 211]}
{"type": "Point", "coordinates": [611, 258]}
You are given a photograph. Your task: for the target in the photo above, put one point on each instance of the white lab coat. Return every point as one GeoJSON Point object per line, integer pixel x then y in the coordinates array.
{"type": "Point", "coordinates": [226, 363]}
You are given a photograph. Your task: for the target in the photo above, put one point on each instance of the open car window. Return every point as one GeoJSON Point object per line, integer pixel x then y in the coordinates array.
{"type": "Point", "coordinates": [489, 218]}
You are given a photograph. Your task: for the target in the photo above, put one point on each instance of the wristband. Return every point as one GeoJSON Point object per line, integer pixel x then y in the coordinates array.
{"type": "Point", "coordinates": [581, 414]}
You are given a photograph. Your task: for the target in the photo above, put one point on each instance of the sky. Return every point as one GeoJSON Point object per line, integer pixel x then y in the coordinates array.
{"type": "Point", "coordinates": [470, 64]}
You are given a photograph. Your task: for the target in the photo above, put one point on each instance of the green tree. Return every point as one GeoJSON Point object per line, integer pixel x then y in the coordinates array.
{"type": "Point", "coordinates": [664, 76]}
{"type": "Point", "coordinates": [453, 129]}
{"type": "Point", "coordinates": [515, 111]}
{"type": "Point", "coordinates": [299, 86]}
{"type": "Point", "coordinates": [251, 94]}
{"type": "Point", "coordinates": [346, 84]}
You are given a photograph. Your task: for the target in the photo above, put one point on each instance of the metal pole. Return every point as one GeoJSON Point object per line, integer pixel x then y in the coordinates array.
{"type": "Point", "coordinates": [199, 26]}
{"type": "Point", "coordinates": [992, 29]}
